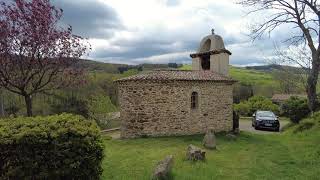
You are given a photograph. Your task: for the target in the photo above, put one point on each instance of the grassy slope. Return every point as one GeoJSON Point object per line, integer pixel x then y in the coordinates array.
{"type": "Point", "coordinates": [251, 156]}
{"type": "Point", "coordinates": [246, 76]}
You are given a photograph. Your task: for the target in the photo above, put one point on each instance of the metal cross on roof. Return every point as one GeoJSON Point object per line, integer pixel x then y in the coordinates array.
{"type": "Point", "coordinates": [212, 31]}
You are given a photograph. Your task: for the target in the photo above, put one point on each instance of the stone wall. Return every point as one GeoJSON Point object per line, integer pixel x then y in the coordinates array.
{"type": "Point", "coordinates": [164, 108]}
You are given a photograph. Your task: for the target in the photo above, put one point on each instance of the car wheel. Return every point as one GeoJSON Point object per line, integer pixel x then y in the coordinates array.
{"type": "Point", "coordinates": [256, 127]}
{"type": "Point", "coordinates": [277, 129]}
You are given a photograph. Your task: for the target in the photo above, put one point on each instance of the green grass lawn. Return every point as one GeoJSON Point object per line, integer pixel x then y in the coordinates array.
{"type": "Point", "coordinates": [251, 156]}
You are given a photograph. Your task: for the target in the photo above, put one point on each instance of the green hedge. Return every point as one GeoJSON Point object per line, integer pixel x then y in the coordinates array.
{"type": "Point", "coordinates": [54, 147]}
{"type": "Point", "coordinates": [247, 108]}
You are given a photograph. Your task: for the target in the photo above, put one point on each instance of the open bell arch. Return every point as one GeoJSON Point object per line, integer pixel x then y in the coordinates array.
{"type": "Point", "coordinates": [211, 55]}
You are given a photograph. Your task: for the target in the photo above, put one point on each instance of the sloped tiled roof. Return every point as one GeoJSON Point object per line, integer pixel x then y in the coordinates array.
{"type": "Point", "coordinates": [179, 75]}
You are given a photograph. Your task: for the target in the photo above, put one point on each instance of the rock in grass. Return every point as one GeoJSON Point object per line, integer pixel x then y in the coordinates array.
{"type": "Point", "coordinates": [209, 140]}
{"type": "Point", "coordinates": [163, 169]}
{"type": "Point", "coordinates": [195, 154]}
{"type": "Point", "coordinates": [231, 136]}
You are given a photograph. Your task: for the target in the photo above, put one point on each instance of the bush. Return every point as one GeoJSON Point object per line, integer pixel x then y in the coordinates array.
{"type": "Point", "coordinates": [242, 92]}
{"type": "Point", "coordinates": [12, 110]}
{"type": "Point", "coordinates": [262, 103]}
{"type": "Point", "coordinates": [247, 108]}
{"type": "Point", "coordinates": [242, 108]}
{"type": "Point", "coordinates": [295, 109]}
{"type": "Point", "coordinates": [71, 104]}
{"type": "Point", "coordinates": [316, 116]}
{"type": "Point", "coordinates": [303, 126]}
{"type": "Point", "coordinates": [54, 147]}
{"type": "Point", "coordinates": [100, 109]}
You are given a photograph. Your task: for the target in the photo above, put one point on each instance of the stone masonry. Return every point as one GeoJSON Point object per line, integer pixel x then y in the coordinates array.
{"type": "Point", "coordinates": [164, 108]}
{"type": "Point", "coordinates": [176, 102]}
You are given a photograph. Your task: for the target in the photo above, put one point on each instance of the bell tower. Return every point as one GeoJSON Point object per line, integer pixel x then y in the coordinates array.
{"type": "Point", "coordinates": [211, 55]}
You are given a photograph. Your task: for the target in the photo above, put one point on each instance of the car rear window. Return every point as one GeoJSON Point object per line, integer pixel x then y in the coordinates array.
{"type": "Point", "coordinates": [265, 114]}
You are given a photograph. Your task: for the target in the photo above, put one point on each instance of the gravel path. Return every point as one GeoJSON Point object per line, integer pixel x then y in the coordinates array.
{"type": "Point", "coordinates": [245, 125]}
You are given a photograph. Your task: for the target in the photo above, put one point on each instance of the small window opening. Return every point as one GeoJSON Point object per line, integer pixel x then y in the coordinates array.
{"type": "Point", "coordinates": [205, 62]}
{"type": "Point", "coordinates": [194, 100]}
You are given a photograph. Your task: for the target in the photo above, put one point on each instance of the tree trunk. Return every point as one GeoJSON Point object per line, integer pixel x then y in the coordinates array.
{"type": "Point", "coordinates": [28, 101]}
{"type": "Point", "coordinates": [312, 85]}
{"type": "Point", "coordinates": [1, 104]}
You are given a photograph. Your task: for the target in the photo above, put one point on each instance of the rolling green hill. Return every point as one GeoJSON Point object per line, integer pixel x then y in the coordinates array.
{"type": "Point", "coordinates": [258, 75]}
{"type": "Point", "coordinates": [248, 76]}
{"type": "Point", "coordinates": [100, 82]}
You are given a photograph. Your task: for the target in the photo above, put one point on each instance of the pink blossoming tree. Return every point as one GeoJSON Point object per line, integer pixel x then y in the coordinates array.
{"type": "Point", "coordinates": [36, 55]}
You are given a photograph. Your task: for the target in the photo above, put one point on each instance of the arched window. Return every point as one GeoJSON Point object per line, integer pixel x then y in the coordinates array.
{"type": "Point", "coordinates": [194, 100]}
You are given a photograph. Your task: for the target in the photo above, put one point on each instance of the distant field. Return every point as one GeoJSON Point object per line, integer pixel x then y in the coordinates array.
{"type": "Point", "coordinates": [186, 67]}
{"type": "Point", "coordinates": [245, 76]}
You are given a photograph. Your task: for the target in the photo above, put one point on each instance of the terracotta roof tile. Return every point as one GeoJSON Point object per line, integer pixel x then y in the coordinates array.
{"type": "Point", "coordinates": [180, 75]}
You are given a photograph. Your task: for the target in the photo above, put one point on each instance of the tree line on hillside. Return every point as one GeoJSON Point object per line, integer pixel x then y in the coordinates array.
{"type": "Point", "coordinates": [44, 59]}
{"type": "Point", "coordinates": [146, 67]}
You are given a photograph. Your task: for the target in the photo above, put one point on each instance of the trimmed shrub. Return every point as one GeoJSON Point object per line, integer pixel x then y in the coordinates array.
{"type": "Point", "coordinates": [295, 109]}
{"type": "Point", "coordinates": [54, 147]}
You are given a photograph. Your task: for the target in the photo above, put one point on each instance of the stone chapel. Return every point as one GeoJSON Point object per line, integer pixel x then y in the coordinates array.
{"type": "Point", "coordinates": [180, 102]}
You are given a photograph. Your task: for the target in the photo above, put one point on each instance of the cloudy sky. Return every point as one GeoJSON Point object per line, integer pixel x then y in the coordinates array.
{"type": "Point", "coordinates": [162, 31]}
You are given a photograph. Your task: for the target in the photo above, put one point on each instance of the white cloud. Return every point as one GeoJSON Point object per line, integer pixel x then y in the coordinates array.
{"type": "Point", "coordinates": [159, 31]}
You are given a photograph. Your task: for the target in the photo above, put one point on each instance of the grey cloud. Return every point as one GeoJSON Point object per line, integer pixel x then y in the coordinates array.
{"type": "Point", "coordinates": [148, 45]}
{"type": "Point", "coordinates": [90, 18]}
{"type": "Point", "coordinates": [93, 19]}
{"type": "Point", "coordinates": [145, 47]}
{"type": "Point", "coordinates": [143, 50]}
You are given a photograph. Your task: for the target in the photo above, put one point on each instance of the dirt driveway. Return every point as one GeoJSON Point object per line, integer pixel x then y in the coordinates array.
{"type": "Point", "coordinates": [245, 125]}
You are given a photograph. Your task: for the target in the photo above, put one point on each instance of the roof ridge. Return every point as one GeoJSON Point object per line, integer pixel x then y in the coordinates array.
{"type": "Point", "coordinates": [179, 75]}
{"type": "Point", "coordinates": [171, 70]}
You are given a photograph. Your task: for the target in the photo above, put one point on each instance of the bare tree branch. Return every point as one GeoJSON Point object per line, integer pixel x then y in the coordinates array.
{"type": "Point", "coordinates": [302, 15]}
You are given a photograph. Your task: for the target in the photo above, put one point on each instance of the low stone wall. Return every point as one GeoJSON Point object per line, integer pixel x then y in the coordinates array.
{"type": "Point", "coordinates": [164, 108]}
